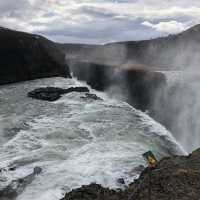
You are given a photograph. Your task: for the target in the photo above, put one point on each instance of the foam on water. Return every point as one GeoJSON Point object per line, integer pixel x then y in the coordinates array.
{"type": "Point", "coordinates": [75, 141]}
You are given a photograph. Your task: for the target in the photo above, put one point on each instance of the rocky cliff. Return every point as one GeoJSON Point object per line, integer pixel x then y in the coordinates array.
{"type": "Point", "coordinates": [25, 56]}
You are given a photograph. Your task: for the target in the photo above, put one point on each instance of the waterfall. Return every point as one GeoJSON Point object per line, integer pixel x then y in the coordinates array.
{"type": "Point", "coordinates": [74, 140]}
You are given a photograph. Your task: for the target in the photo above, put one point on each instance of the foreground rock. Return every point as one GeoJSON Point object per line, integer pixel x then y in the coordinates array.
{"type": "Point", "coordinates": [176, 177]}
{"type": "Point", "coordinates": [26, 56]}
{"type": "Point", "coordinates": [53, 93]}
{"type": "Point", "coordinates": [16, 187]}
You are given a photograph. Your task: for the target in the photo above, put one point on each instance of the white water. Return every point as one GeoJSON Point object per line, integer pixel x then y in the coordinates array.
{"type": "Point", "coordinates": [75, 141]}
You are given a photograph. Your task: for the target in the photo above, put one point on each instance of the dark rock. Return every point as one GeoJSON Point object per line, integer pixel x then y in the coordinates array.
{"type": "Point", "coordinates": [175, 177]}
{"type": "Point", "coordinates": [26, 56]}
{"type": "Point", "coordinates": [12, 168]}
{"type": "Point", "coordinates": [37, 170]}
{"type": "Point", "coordinates": [77, 89]}
{"type": "Point", "coordinates": [53, 93]}
{"type": "Point", "coordinates": [91, 96]}
{"type": "Point", "coordinates": [48, 93]}
{"type": "Point", "coordinates": [92, 192]}
{"type": "Point", "coordinates": [121, 181]}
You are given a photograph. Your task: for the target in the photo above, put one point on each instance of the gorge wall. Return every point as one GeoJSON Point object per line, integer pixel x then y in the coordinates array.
{"type": "Point", "coordinates": [26, 56]}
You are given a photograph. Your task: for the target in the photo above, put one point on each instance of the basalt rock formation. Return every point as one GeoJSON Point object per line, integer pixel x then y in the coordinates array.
{"type": "Point", "coordinates": [175, 177]}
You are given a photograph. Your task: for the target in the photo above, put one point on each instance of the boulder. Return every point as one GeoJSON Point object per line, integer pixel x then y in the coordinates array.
{"type": "Point", "coordinates": [89, 96]}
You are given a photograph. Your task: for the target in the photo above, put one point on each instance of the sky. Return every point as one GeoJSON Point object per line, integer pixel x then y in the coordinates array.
{"type": "Point", "coordinates": [99, 21]}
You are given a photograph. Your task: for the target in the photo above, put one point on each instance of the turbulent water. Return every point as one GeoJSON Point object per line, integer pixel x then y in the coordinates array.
{"type": "Point", "coordinates": [75, 141]}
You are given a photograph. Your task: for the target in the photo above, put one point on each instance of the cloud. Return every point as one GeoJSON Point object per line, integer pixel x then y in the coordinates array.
{"type": "Point", "coordinates": [99, 21]}
{"type": "Point", "coordinates": [167, 27]}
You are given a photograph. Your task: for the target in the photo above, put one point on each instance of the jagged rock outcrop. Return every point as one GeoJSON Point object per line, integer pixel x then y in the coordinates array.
{"type": "Point", "coordinates": [26, 56]}
{"type": "Point", "coordinates": [175, 177]}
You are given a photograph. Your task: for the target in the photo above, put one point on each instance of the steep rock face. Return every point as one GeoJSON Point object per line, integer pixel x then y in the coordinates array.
{"type": "Point", "coordinates": [25, 56]}
{"type": "Point", "coordinates": [141, 87]}
{"type": "Point", "coordinates": [144, 87]}
{"type": "Point", "coordinates": [175, 177]}
{"type": "Point", "coordinates": [96, 75]}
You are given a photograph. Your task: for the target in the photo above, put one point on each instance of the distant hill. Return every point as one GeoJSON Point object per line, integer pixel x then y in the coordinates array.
{"type": "Point", "coordinates": [26, 56]}
{"type": "Point", "coordinates": [175, 52]}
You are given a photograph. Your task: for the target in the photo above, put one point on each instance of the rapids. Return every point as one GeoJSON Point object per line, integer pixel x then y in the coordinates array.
{"type": "Point", "coordinates": [75, 141]}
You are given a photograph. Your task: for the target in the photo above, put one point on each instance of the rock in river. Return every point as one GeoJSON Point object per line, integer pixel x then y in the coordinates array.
{"type": "Point", "coordinates": [53, 93]}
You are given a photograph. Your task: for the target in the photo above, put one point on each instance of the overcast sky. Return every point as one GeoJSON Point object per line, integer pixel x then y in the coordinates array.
{"type": "Point", "coordinates": [99, 21]}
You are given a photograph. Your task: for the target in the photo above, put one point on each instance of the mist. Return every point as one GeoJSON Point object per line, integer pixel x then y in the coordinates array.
{"type": "Point", "coordinates": [173, 100]}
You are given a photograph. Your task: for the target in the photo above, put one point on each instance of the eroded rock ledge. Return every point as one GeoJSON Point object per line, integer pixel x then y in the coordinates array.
{"type": "Point", "coordinates": [176, 177]}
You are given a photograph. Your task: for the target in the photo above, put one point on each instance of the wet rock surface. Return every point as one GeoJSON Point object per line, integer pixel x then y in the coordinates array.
{"type": "Point", "coordinates": [175, 177]}
{"type": "Point", "coordinates": [53, 93]}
